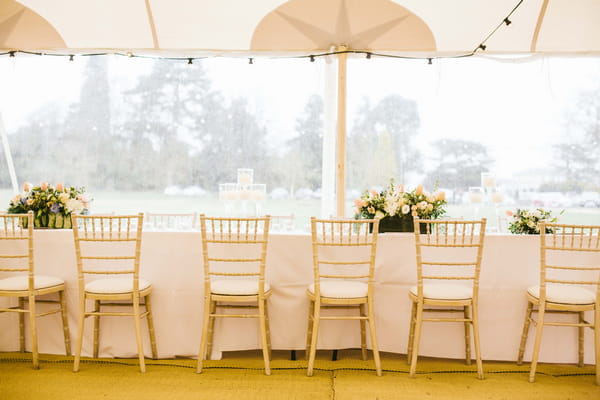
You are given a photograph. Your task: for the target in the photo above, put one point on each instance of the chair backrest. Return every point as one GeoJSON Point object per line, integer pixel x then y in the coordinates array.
{"type": "Point", "coordinates": [108, 245]}
{"type": "Point", "coordinates": [234, 248]}
{"type": "Point", "coordinates": [344, 249]}
{"type": "Point", "coordinates": [171, 221]}
{"type": "Point", "coordinates": [570, 255]}
{"type": "Point", "coordinates": [16, 244]}
{"type": "Point", "coordinates": [449, 250]}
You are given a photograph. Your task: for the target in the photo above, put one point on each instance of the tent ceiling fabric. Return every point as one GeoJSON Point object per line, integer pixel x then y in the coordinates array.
{"type": "Point", "coordinates": [192, 27]}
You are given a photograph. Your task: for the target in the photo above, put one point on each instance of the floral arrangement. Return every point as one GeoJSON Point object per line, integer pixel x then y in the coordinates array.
{"type": "Point", "coordinates": [528, 221]}
{"type": "Point", "coordinates": [395, 201]}
{"type": "Point", "coordinates": [52, 206]}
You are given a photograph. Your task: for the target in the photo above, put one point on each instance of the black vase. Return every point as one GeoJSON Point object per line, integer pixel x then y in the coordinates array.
{"type": "Point", "coordinates": [398, 224]}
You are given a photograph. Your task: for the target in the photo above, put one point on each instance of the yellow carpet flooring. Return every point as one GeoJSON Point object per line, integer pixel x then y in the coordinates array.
{"type": "Point", "coordinates": [240, 375]}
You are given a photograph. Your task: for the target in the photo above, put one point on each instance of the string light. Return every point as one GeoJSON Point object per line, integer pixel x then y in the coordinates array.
{"type": "Point", "coordinates": [368, 56]}
{"type": "Point", "coordinates": [482, 47]}
{"type": "Point", "coordinates": [507, 21]}
{"type": "Point", "coordinates": [129, 54]}
{"type": "Point", "coordinates": [190, 62]}
{"type": "Point", "coordinates": [429, 61]}
{"type": "Point", "coordinates": [71, 57]}
{"type": "Point", "coordinates": [11, 54]}
{"type": "Point", "coordinates": [312, 58]}
{"type": "Point", "coordinates": [251, 61]}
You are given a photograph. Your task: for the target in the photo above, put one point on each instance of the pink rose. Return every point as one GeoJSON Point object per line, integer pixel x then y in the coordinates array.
{"type": "Point", "coordinates": [419, 190]}
{"type": "Point", "coordinates": [401, 188]}
{"type": "Point", "coordinates": [374, 193]}
{"type": "Point", "coordinates": [44, 186]}
{"type": "Point", "coordinates": [360, 203]}
{"type": "Point", "coordinates": [59, 186]}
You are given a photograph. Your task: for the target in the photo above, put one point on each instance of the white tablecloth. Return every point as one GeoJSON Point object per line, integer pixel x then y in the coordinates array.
{"type": "Point", "coordinates": [172, 262]}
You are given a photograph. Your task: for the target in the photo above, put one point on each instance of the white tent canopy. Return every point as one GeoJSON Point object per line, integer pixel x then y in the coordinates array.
{"type": "Point", "coordinates": [423, 28]}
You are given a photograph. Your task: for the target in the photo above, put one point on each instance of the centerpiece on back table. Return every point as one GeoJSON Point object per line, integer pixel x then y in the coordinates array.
{"type": "Point", "coordinates": [396, 206]}
{"type": "Point", "coordinates": [52, 206]}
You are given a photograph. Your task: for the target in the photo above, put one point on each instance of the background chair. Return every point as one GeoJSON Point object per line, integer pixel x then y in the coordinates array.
{"type": "Point", "coordinates": [448, 267]}
{"type": "Point", "coordinates": [344, 266]}
{"type": "Point", "coordinates": [109, 247]}
{"type": "Point", "coordinates": [171, 221]}
{"type": "Point", "coordinates": [234, 253]}
{"type": "Point", "coordinates": [16, 258]}
{"type": "Point", "coordinates": [569, 284]}
{"type": "Point", "coordinates": [282, 223]}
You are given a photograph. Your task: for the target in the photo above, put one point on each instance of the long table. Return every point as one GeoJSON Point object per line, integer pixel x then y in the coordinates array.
{"type": "Point", "coordinates": [172, 262]}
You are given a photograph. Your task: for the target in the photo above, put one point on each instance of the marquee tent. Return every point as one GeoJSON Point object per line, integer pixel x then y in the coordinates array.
{"type": "Point", "coordinates": [405, 27]}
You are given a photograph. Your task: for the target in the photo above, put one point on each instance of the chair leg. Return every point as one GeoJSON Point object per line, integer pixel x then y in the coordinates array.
{"type": "Point", "coordinates": [538, 341]}
{"type": "Point", "coordinates": [597, 342]}
{"type": "Point", "coordinates": [138, 332]}
{"type": "Point", "coordinates": [363, 332]}
{"type": "Point", "coordinates": [525, 333]}
{"type": "Point", "coordinates": [65, 322]}
{"type": "Point", "coordinates": [150, 321]}
{"type": "Point", "coordinates": [411, 332]}
{"type": "Point", "coordinates": [21, 325]}
{"type": "Point", "coordinates": [268, 325]}
{"type": "Point", "coordinates": [581, 316]}
{"type": "Point", "coordinates": [33, 329]}
{"type": "Point", "coordinates": [96, 328]}
{"type": "Point", "coordinates": [263, 335]}
{"type": "Point", "coordinates": [211, 329]}
{"type": "Point", "coordinates": [204, 335]}
{"type": "Point", "coordinates": [416, 339]}
{"type": "Point", "coordinates": [315, 335]}
{"type": "Point", "coordinates": [467, 335]}
{"type": "Point", "coordinates": [374, 338]}
{"type": "Point", "coordinates": [81, 324]}
{"type": "Point", "coordinates": [476, 339]}
{"type": "Point", "coordinates": [309, 332]}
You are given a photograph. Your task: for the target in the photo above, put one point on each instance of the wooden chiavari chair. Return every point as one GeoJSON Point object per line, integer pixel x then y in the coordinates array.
{"type": "Point", "coordinates": [344, 267]}
{"type": "Point", "coordinates": [448, 267]}
{"type": "Point", "coordinates": [569, 284]}
{"type": "Point", "coordinates": [108, 250]}
{"type": "Point", "coordinates": [16, 259]}
{"type": "Point", "coordinates": [234, 252]}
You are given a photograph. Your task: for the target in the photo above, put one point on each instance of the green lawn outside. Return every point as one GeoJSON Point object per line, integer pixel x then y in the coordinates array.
{"type": "Point", "coordinates": [134, 202]}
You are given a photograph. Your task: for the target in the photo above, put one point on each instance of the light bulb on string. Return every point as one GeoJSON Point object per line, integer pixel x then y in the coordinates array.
{"type": "Point", "coordinates": [251, 61]}
{"type": "Point", "coordinates": [312, 58]}
{"type": "Point", "coordinates": [190, 62]}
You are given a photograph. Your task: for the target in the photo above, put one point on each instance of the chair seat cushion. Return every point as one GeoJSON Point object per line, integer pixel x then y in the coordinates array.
{"type": "Point", "coordinates": [237, 287]}
{"type": "Point", "coordinates": [565, 294]}
{"type": "Point", "coordinates": [114, 285]}
{"type": "Point", "coordinates": [21, 282]}
{"type": "Point", "coordinates": [343, 289]}
{"type": "Point", "coordinates": [444, 291]}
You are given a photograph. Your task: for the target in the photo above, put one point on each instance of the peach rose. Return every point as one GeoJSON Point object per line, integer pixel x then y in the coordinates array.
{"type": "Point", "coordinates": [374, 193]}
{"type": "Point", "coordinates": [509, 213]}
{"type": "Point", "coordinates": [401, 188]}
{"type": "Point", "coordinates": [441, 196]}
{"type": "Point", "coordinates": [419, 190]}
{"type": "Point", "coordinates": [360, 203]}
{"type": "Point", "coordinates": [26, 186]}
{"type": "Point", "coordinates": [59, 186]}
{"type": "Point", "coordinates": [44, 185]}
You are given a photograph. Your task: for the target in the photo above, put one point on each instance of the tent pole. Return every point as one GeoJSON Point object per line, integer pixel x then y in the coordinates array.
{"type": "Point", "coordinates": [340, 183]}
{"type": "Point", "coordinates": [9, 161]}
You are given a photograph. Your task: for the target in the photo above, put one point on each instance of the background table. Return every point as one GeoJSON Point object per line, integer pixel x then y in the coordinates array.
{"type": "Point", "coordinates": [172, 262]}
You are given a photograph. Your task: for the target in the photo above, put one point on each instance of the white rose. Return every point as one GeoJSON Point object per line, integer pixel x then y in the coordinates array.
{"type": "Point", "coordinates": [16, 199]}
{"type": "Point", "coordinates": [74, 205]}
{"type": "Point", "coordinates": [63, 198]}
{"type": "Point", "coordinates": [422, 205]}
{"type": "Point", "coordinates": [537, 214]}
{"type": "Point", "coordinates": [405, 209]}
{"type": "Point", "coordinates": [531, 224]}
